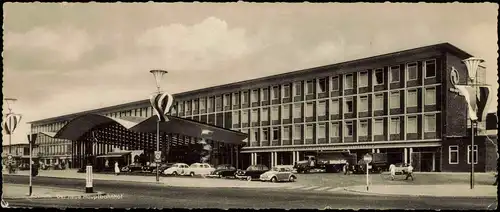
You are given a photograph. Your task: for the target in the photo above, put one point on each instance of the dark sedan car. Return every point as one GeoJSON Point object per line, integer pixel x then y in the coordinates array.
{"type": "Point", "coordinates": [162, 167]}
{"type": "Point", "coordinates": [252, 172]}
{"type": "Point", "coordinates": [224, 170]}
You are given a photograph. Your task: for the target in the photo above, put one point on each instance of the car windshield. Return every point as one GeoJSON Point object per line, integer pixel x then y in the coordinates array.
{"type": "Point", "coordinates": [257, 168]}
{"type": "Point", "coordinates": [276, 169]}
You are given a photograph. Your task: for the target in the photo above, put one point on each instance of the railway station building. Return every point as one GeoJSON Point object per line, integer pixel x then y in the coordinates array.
{"type": "Point", "coordinates": [401, 103]}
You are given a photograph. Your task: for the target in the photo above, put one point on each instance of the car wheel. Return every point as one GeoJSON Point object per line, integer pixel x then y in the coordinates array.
{"type": "Point", "coordinates": [220, 175]}
{"type": "Point", "coordinates": [249, 178]}
{"type": "Point", "coordinates": [292, 179]}
{"type": "Point", "coordinates": [192, 174]}
{"type": "Point", "coordinates": [175, 174]}
{"type": "Point", "coordinates": [274, 180]}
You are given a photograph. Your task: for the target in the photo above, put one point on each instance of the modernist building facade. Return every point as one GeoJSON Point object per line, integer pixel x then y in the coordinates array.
{"type": "Point", "coordinates": [399, 103]}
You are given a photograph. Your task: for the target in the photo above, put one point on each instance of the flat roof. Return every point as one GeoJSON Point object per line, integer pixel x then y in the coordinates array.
{"type": "Point", "coordinates": [441, 46]}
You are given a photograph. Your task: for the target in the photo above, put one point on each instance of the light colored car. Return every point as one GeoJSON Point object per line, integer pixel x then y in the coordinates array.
{"type": "Point", "coordinates": [279, 173]}
{"type": "Point", "coordinates": [203, 169]}
{"type": "Point", "coordinates": [176, 169]}
{"type": "Point", "coordinates": [401, 168]}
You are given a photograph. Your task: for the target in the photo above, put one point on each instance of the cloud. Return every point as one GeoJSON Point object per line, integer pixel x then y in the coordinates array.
{"type": "Point", "coordinates": [194, 47]}
{"type": "Point", "coordinates": [61, 45]}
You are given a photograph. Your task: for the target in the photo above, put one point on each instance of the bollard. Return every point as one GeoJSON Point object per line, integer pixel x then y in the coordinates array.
{"type": "Point", "coordinates": [88, 187]}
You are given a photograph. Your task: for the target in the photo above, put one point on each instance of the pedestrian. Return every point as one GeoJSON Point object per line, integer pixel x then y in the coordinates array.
{"type": "Point", "coordinates": [117, 169]}
{"type": "Point", "coordinates": [346, 168]}
{"type": "Point", "coordinates": [392, 169]}
{"type": "Point", "coordinates": [409, 173]}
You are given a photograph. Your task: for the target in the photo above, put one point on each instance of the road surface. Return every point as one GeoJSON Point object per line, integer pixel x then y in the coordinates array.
{"type": "Point", "coordinates": [149, 195]}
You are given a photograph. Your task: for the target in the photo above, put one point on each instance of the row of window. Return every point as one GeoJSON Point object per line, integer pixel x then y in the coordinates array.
{"type": "Point", "coordinates": [362, 129]}
{"type": "Point", "coordinates": [378, 104]}
{"type": "Point", "coordinates": [453, 154]}
{"type": "Point", "coordinates": [55, 149]}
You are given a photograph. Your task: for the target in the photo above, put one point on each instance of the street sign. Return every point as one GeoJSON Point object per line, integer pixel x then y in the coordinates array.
{"type": "Point", "coordinates": [157, 156]}
{"type": "Point", "coordinates": [369, 166]}
{"type": "Point", "coordinates": [9, 157]}
{"type": "Point", "coordinates": [368, 158]}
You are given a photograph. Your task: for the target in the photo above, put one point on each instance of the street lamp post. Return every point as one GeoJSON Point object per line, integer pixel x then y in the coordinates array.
{"type": "Point", "coordinates": [472, 65]}
{"type": "Point", "coordinates": [158, 75]}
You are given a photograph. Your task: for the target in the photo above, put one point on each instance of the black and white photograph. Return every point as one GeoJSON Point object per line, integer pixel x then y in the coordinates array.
{"type": "Point", "coordinates": [242, 105]}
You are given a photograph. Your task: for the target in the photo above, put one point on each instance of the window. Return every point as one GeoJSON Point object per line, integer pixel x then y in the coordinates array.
{"type": "Point", "coordinates": [275, 113]}
{"type": "Point", "coordinates": [309, 109]}
{"type": "Point", "coordinates": [430, 68]}
{"type": "Point", "coordinates": [395, 100]}
{"type": "Point", "coordinates": [411, 124]}
{"type": "Point", "coordinates": [349, 105]}
{"type": "Point", "coordinates": [255, 96]}
{"type": "Point", "coordinates": [236, 117]}
{"type": "Point", "coordinates": [253, 135]}
{"type": "Point", "coordinates": [255, 115]}
{"type": "Point", "coordinates": [188, 106]}
{"type": "Point", "coordinates": [218, 102]}
{"type": "Point", "coordinates": [378, 104]}
{"type": "Point", "coordinates": [226, 100]}
{"type": "Point", "coordinates": [363, 79]}
{"type": "Point", "coordinates": [379, 77]}
{"type": "Point", "coordinates": [322, 85]}
{"type": "Point", "coordinates": [363, 128]}
{"type": "Point", "coordinates": [265, 114]}
{"type": "Point", "coordinates": [378, 127]}
{"type": "Point", "coordinates": [265, 134]}
{"type": "Point", "coordinates": [395, 74]}
{"type": "Point", "coordinates": [276, 133]}
{"type": "Point", "coordinates": [411, 69]}
{"type": "Point", "coordinates": [335, 83]}
{"type": "Point", "coordinates": [195, 105]}
{"type": "Point", "coordinates": [453, 154]}
{"type": "Point", "coordinates": [322, 108]}
{"type": "Point", "coordinates": [210, 103]}
{"type": "Point", "coordinates": [286, 133]}
{"type": "Point", "coordinates": [395, 126]}
{"type": "Point", "coordinates": [322, 131]}
{"type": "Point", "coordinates": [363, 103]}
{"type": "Point", "coordinates": [335, 130]}
{"type": "Point", "coordinates": [297, 132]}
{"type": "Point", "coordinates": [181, 107]}
{"type": "Point", "coordinates": [286, 91]}
{"type": "Point", "coordinates": [411, 100]}
{"type": "Point", "coordinates": [275, 92]}
{"type": "Point", "coordinates": [298, 89]}
{"type": "Point", "coordinates": [430, 96]}
{"type": "Point", "coordinates": [245, 97]}
{"type": "Point", "coordinates": [334, 107]}
{"type": "Point", "coordinates": [265, 94]}
{"type": "Point", "coordinates": [349, 82]}
{"type": "Point", "coordinates": [244, 117]}
{"type": "Point", "coordinates": [309, 131]}
{"type": "Point", "coordinates": [349, 129]}
{"type": "Point", "coordinates": [286, 111]}
{"type": "Point", "coordinates": [236, 99]}
{"type": "Point", "coordinates": [474, 151]}
{"type": "Point", "coordinates": [309, 87]}
{"type": "Point", "coordinates": [297, 110]}
{"type": "Point", "coordinates": [430, 123]}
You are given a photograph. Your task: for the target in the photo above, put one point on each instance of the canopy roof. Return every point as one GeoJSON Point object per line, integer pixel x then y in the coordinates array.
{"type": "Point", "coordinates": [114, 154]}
{"type": "Point", "coordinates": [78, 126]}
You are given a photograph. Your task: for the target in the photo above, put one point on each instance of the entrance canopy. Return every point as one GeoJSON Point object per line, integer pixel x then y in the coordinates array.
{"type": "Point", "coordinates": [77, 127]}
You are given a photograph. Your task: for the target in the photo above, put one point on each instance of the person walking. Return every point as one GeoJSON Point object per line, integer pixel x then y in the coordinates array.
{"type": "Point", "coordinates": [117, 169]}
{"type": "Point", "coordinates": [409, 173]}
{"type": "Point", "coordinates": [392, 169]}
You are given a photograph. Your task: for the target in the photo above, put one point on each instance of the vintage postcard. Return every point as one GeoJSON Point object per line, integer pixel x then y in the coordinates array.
{"type": "Point", "coordinates": [249, 105]}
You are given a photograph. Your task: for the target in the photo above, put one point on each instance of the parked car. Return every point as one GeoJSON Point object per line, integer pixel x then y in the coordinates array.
{"type": "Point", "coordinates": [131, 168]}
{"type": "Point", "coordinates": [24, 166]}
{"type": "Point", "coordinates": [163, 167]}
{"type": "Point", "coordinates": [279, 173]}
{"type": "Point", "coordinates": [176, 169]}
{"type": "Point", "coordinates": [199, 169]}
{"type": "Point", "coordinates": [401, 168]}
{"type": "Point", "coordinates": [252, 172]}
{"type": "Point", "coordinates": [224, 170]}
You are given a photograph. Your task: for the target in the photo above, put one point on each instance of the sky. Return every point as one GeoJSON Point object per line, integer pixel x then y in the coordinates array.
{"type": "Point", "coordinates": [62, 58]}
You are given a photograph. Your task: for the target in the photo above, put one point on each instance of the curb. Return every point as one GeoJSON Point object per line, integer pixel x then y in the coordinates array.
{"type": "Point", "coordinates": [82, 196]}
{"type": "Point", "coordinates": [407, 195]}
{"type": "Point", "coordinates": [160, 183]}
